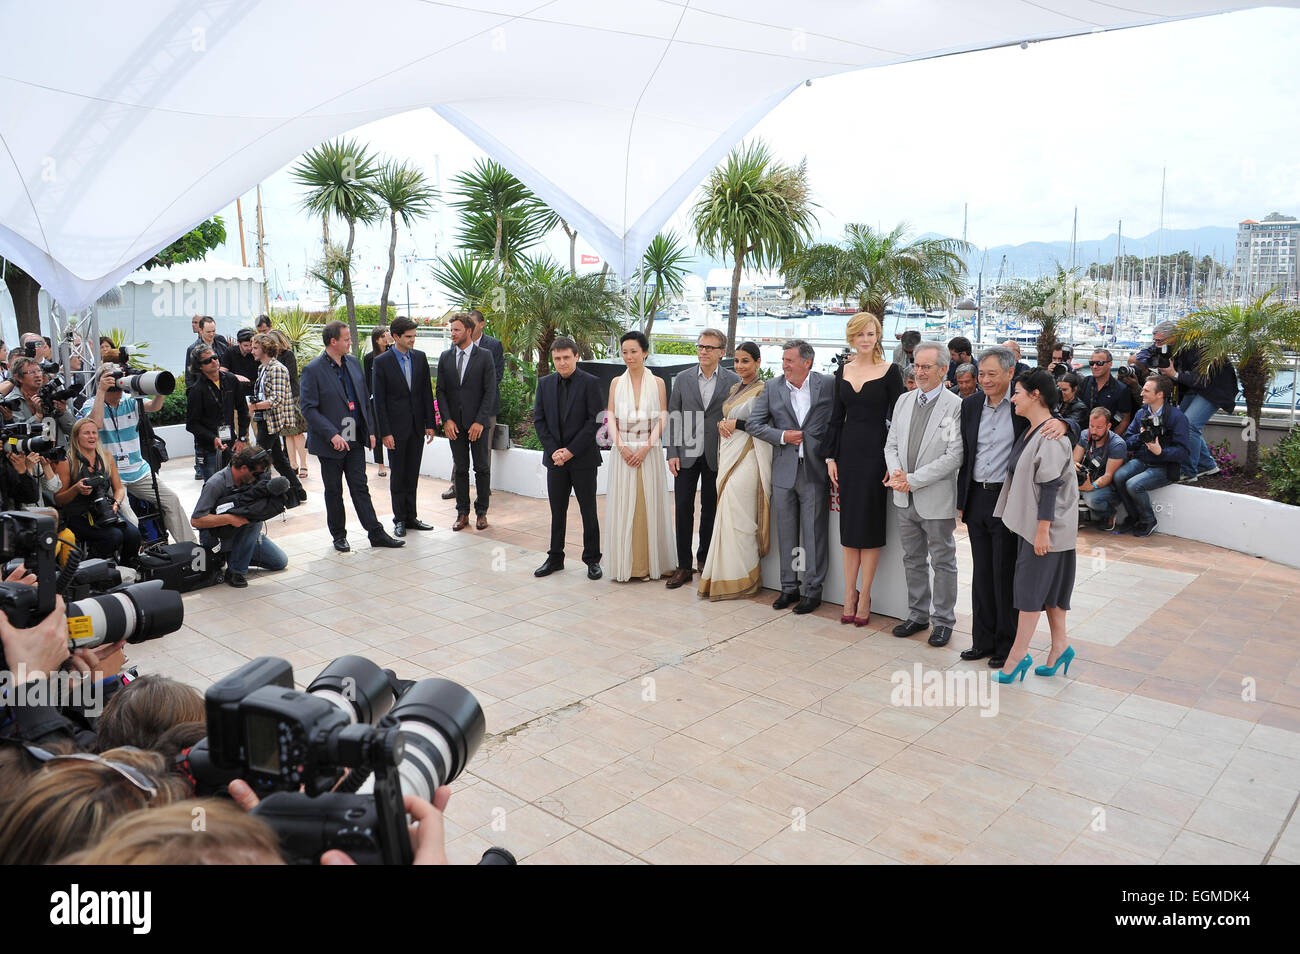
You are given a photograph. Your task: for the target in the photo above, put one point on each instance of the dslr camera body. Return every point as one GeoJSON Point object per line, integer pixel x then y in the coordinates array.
{"type": "Point", "coordinates": [1153, 429]}
{"type": "Point", "coordinates": [136, 381]}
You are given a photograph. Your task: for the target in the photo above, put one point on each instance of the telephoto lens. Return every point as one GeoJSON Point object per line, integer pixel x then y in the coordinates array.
{"type": "Point", "coordinates": [357, 686]}
{"type": "Point", "coordinates": [148, 383]}
{"type": "Point", "coordinates": [135, 613]}
{"type": "Point", "coordinates": [443, 727]}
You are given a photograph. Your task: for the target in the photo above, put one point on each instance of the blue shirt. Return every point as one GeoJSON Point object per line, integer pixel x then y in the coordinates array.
{"type": "Point", "coordinates": [120, 436]}
{"type": "Point", "coordinates": [1115, 448]}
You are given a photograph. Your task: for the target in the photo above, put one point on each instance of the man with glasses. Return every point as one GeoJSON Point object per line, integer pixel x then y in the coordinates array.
{"type": "Point", "coordinates": [694, 410]}
{"type": "Point", "coordinates": [1101, 389]}
{"type": "Point", "coordinates": [30, 378]}
{"type": "Point", "coordinates": [215, 413]}
{"type": "Point", "coordinates": [249, 545]}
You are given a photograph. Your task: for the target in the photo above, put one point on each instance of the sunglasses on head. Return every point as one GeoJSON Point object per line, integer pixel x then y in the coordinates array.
{"type": "Point", "coordinates": [128, 772]}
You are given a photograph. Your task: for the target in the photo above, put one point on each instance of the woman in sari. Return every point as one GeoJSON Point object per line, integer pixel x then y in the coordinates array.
{"type": "Point", "coordinates": [740, 530]}
{"type": "Point", "coordinates": [641, 542]}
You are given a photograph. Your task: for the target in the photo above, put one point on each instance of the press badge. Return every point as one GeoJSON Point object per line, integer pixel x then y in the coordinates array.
{"type": "Point", "coordinates": [223, 508]}
{"type": "Point", "coordinates": [223, 432]}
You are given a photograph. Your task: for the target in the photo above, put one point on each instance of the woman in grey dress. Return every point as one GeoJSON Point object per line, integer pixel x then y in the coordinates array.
{"type": "Point", "coordinates": [1039, 503]}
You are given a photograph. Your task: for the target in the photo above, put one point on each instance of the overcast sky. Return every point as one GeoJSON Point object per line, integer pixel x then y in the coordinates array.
{"type": "Point", "coordinates": [1023, 136]}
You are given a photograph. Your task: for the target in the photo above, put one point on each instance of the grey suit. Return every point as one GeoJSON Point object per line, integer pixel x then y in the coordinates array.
{"type": "Point", "coordinates": [692, 438]}
{"type": "Point", "coordinates": [800, 486]}
{"type": "Point", "coordinates": [927, 516]}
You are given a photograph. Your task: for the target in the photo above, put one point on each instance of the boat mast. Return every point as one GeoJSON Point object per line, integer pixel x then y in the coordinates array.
{"type": "Point", "coordinates": [1160, 234]}
{"type": "Point", "coordinates": [261, 253]}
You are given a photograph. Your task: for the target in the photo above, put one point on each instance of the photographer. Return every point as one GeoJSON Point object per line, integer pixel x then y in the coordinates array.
{"type": "Point", "coordinates": [206, 329]}
{"type": "Point", "coordinates": [240, 361]}
{"type": "Point", "coordinates": [272, 407]}
{"type": "Point", "coordinates": [1098, 455]}
{"type": "Point", "coordinates": [1160, 441]}
{"type": "Point", "coordinates": [248, 546]}
{"type": "Point", "coordinates": [1200, 395]}
{"type": "Point", "coordinates": [117, 415]}
{"type": "Point", "coordinates": [18, 484]}
{"type": "Point", "coordinates": [1061, 363]}
{"type": "Point", "coordinates": [29, 406]}
{"type": "Point", "coordinates": [92, 496]}
{"type": "Point", "coordinates": [215, 413]}
{"type": "Point", "coordinates": [1072, 409]}
{"type": "Point", "coordinates": [1102, 389]}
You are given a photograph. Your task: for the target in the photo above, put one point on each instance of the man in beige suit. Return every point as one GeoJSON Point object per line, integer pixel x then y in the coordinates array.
{"type": "Point", "coordinates": [923, 453]}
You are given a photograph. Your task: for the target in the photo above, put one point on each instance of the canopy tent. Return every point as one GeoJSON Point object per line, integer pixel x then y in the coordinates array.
{"type": "Point", "coordinates": [123, 125]}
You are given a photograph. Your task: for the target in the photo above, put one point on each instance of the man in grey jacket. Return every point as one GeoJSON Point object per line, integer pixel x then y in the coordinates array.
{"type": "Point", "coordinates": [793, 415]}
{"type": "Point", "coordinates": [923, 453]}
{"type": "Point", "coordinates": [694, 410]}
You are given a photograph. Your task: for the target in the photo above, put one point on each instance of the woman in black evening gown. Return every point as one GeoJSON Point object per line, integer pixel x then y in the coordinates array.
{"type": "Point", "coordinates": [866, 389]}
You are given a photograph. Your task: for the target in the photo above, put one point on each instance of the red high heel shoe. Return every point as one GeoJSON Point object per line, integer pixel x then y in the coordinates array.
{"type": "Point", "coordinates": [848, 617]}
{"type": "Point", "coordinates": [864, 620]}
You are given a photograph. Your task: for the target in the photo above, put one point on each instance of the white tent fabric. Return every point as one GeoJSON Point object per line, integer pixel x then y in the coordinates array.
{"type": "Point", "coordinates": [124, 124]}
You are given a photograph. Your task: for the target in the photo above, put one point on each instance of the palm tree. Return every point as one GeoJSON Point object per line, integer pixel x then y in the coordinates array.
{"type": "Point", "coordinates": [403, 190]}
{"type": "Point", "coordinates": [1049, 300]}
{"type": "Point", "coordinates": [1257, 334]}
{"type": "Point", "coordinates": [754, 208]}
{"type": "Point", "coordinates": [469, 278]}
{"type": "Point", "coordinates": [339, 178]}
{"type": "Point", "coordinates": [876, 267]}
{"type": "Point", "coordinates": [663, 266]}
{"type": "Point", "coordinates": [500, 216]}
{"type": "Point", "coordinates": [542, 300]}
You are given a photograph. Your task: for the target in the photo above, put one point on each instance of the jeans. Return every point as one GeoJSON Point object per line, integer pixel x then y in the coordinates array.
{"type": "Point", "coordinates": [120, 542]}
{"type": "Point", "coordinates": [208, 462]}
{"type": "Point", "coordinates": [1198, 411]}
{"type": "Point", "coordinates": [1134, 481]}
{"type": "Point", "coordinates": [249, 546]}
{"type": "Point", "coordinates": [1101, 501]}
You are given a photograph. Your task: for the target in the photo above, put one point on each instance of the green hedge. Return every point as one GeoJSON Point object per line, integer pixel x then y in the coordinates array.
{"type": "Point", "coordinates": [1281, 468]}
{"type": "Point", "coordinates": [173, 409]}
{"type": "Point", "coordinates": [516, 401]}
{"type": "Point", "coordinates": [672, 346]}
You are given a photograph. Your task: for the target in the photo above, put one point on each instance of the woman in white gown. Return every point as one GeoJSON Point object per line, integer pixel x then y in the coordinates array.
{"type": "Point", "coordinates": [740, 531]}
{"type": "Point", "coordinates": [640, 541]}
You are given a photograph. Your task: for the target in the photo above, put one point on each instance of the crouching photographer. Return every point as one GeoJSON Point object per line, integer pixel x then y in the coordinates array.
{"type": "Point", "coordinates": [1098, 455]}
{"type": "Point", "coordinates": [230, 517]}
{"type": "Point", "coordinates": [92, 496]}
{"type": "Point", "coordinates": [1160, 441]}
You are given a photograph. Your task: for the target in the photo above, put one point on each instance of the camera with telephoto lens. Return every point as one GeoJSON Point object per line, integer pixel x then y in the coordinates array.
{"type": "Point", "coordinates": [1161, 356]}
{"type": "Point", "coordinates": [136, 612]}
{"type": "Point", "coordinates": [1152, 429]}
{"type": "Point", "coordinates": [54, 390]}
{"type": "Point", "coordinates": [331, 764]}
{"type": "Point", "coordinates": [137, 381]}
{"type": "Point", "coordinates": [1093, 464]}
{"type": "Point", "coordinates": [25, 437]}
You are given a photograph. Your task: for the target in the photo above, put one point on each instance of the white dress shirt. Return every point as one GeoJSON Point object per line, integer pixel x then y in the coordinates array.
{"type": "Point", "coordinates": [801, 401]}
{"type": "Point", "coordinates": [931, 395]}
{"type": "Point", "coordinates": [707, 384]}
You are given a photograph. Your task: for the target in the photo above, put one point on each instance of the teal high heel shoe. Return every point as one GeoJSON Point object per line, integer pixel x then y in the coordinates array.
{"type": "Point", "coordinates": [1066, 657]}
{"type": "Point", "coordinates": [1022, 667]}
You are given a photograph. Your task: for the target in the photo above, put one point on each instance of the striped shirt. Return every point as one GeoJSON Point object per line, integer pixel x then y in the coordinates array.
{"type": "Point", "coordinates": [120, 437]}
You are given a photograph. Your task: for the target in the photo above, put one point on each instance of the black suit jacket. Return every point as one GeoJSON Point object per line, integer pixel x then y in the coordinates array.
{"type": "Point", "coordinates": [325, 405]}
{"type": "Point", "coordinates": [473, 399]}
{"type": "Point", "coordinates": [401, 411]}
{"type": "Point", "coordinates": [971, 415]}
{"type": "Point", "coordinates": [573, 426]}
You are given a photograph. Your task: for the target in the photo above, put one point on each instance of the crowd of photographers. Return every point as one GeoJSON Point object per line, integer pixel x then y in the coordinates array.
{"type": "Point", "coordinates": [1137, 427]}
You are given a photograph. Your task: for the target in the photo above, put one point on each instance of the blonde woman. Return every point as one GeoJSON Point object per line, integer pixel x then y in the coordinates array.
{"type": "Point", "coordinates": [741, 529]}
{"type": "Point", "coordinates": [866, 389]}
{"type": "Point", "coordinates": [86, 474]}
{"type": "Point", "coordinates": [272, 406]}
{"type": "Point", "coordinates": [641, 543]}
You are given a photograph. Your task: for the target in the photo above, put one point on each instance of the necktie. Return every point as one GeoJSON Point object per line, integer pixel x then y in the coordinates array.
{"type": "Point", "coordinates": [922, 399]}
{"type": "Point", "coordinates": [406, 368]}
{"type": "Point", "coordinates": [460, 366]}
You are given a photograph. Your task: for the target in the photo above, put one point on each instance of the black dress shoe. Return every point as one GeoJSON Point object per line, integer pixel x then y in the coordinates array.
{"type": "Point", "coordinates": [910, 628]}
{"type": "Point", "coordinates": [547, 568]}
{"type": "Point", "coordinates": [237, 580]}
{"type": "Point", "coordinates": [418, 525]}
{"type": "Point", "coordinates": [341, 544]}
{"type": "Point", "coordinates": [997, 662]}
{"type": "Point", "coordinates": [940, 635]}
{"type": "Point", "coordinates": [785, 599]}
{"type": "Point", "coordinates": [973, 653]}
{"type": "Point", "coordinates": [449, 493]}
{"type": "Point", "coordinates": [808, 604]}
{"type": "Point", "coordinates": [381, 539]}
{"type": "Point", "coordinates": [399, 528]}
{"type": "Point", "coordinates": [302, 495]}
{"type": "Point", "coordinates": [593, 571]}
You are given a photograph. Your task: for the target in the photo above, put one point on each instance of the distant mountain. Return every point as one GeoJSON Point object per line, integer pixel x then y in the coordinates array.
{"type": "Point", "coordinates": [1031, 259]}
{"type": "Point", "coordinates": [1034, 258]}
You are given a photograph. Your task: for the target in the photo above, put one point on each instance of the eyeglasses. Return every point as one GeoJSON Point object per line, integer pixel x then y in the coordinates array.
{"type": "Point", "coordinates": [925, 367]}
{"type": "Point", "coordinates": [1098, 364]}
{"type": "Point", "coordinates": [128, 772]}
{"type": "Point", "coordinates": [703, 347]}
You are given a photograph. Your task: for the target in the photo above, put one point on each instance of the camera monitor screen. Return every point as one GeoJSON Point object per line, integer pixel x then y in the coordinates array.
{"type": "Point", "coordinates": [263, 744]}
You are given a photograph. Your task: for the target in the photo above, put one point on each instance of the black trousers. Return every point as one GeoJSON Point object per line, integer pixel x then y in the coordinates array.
{"type": "Point", "coordinates": [275, 444]}
{"type": "Point", "coordinates": [993, 548]}
{"type": "Point", "coordinates": [404, 474]}
{"type": "Point", "coordinates": [559, 482]}
{"type": "Point", "coordinates": [480, 451]}
{"type": "Point", "coordinates": [684, 504]}
{"type": "Point", "coordinates": [332, 472]}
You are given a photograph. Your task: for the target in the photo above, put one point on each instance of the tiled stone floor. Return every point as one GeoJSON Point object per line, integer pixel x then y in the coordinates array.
{"type": "Point", "coordinates": [629, 723]}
